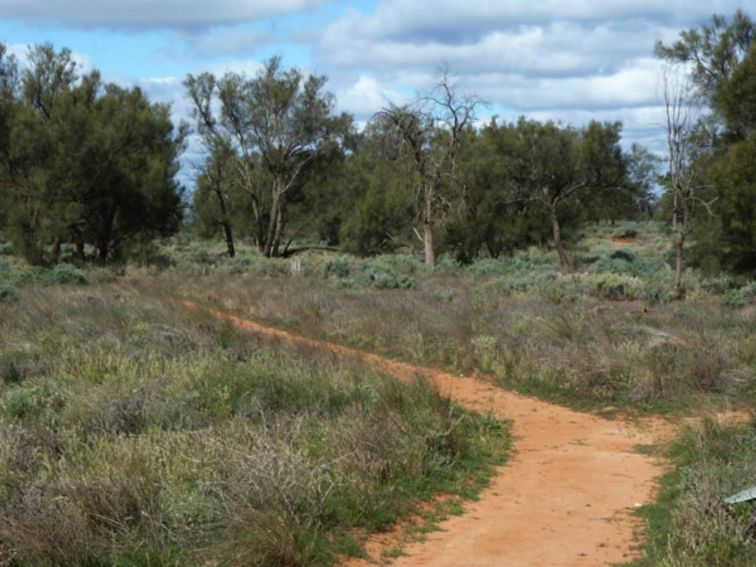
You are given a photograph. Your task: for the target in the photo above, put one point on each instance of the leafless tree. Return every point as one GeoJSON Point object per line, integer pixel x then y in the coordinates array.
{"type": "Point", "coordinates": [429, 131]}
{"type": "Point", "coordinates": [684, 150]}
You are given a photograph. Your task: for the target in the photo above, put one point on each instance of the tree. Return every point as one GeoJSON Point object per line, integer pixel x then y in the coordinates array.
{"type": "Point", "coordinates": [277, 124]}
{"type": "Point", "coordinates": [83, 162]}
{"type": "Point", "coordinates": [8, 88]}
{"type": "Point", "coordinates": [683, 175]}
{"type": "Point", "coordinates": [555, 164]}
{"type": "Point", "coordinates": [429, 132]}
{"type": "Point", "coordinates": [723, 56]}
{"type": "Point", "coordinates": [495, 217]}
{"type": "Point", "coordinates": [714, 50]}
{"type": "Point", "coordinates": [632, 199]}
{"type": "Point", "coordinates": [212, 199]}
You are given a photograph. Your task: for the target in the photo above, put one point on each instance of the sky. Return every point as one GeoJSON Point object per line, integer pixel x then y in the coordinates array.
{"type": "Point", "coordinates": [566, 60]}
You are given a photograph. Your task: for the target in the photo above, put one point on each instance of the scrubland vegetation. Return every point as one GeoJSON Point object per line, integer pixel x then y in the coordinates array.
{"type": "Point", "coordinates": [132, 432]}
{"type": "Point", "coordinates": [547, 258]}
{"type": "Point", "coordinates": [105, 374]}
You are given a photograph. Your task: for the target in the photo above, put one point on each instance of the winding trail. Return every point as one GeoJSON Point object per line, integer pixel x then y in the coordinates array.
{"type": "Point", "coordinates": [564, 498]}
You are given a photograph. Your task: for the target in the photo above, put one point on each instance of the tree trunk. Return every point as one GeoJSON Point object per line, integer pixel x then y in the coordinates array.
{"type": "Point", "coordinates": [679, 246]}
{"type": "Point", "coordinates": [564, 260]}
{"type": "Point", "coordinates": [430, 256]}
{"type": "Point", "coordinates": [104, 252]}
{"type": "Point", "coordinates": [280, 226]}
{"type": "Point", "coordinates": [268, 244]}
{"type": "Point", "coordinates": [275, 218]}
{"type": "Point", "coordinates": [225, 223]}
{"type": "Point", "coordinates": [55, 256]}
{"type": "Point", "coordinates": [229, 238]}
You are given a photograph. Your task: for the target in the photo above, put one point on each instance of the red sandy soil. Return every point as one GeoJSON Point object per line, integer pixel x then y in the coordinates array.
{"type": "Point", "coordinates": [623, 241]}
{"type": "Point", "coordinates": [565, 497]}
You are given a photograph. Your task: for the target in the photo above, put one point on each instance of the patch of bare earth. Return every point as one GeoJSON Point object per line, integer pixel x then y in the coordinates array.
{"type": "Point", "coordinates": [565, 497]}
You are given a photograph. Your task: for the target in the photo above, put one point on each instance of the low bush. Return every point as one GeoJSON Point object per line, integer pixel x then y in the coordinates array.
{"type": "Point", "coordinates": [690, 524]}
{"type": "Point", "coordinates": [131, 433]}
{"type": "Point", "coordinates": [65, 274]}
{"type": "Point", "coordinates": [376, 274]}
{"type": "Point", "coordinates": [740, 297]}
{"type": "Point", "coordinates": [8, 293]}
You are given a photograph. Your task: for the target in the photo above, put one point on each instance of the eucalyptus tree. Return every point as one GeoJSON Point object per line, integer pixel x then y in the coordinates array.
{"type": "Point", "coordinates": [555, 164]}
{"type": "Point", "coordinates": [277, 125]}
{"type": "Point", "coordinates": [429, 132]}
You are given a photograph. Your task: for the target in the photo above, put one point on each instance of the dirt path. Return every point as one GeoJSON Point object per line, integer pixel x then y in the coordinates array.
{"type": "Point", "coordinates": [564, 498]}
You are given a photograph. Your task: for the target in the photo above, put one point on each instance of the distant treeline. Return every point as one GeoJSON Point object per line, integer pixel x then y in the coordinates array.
{"type": "Point", "coordinates": [93, 165]}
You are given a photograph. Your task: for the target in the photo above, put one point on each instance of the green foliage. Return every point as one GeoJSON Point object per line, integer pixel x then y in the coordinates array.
{"type": "Point", "coordinates": [65, 274]}
{"type": "Point", "coordinates": [690, 524]}
{"type": "Point", "coordinates": [61, 181]}
{"type": "Point", "coordinates": [734, 175]}
{"type": "Point", "coordinates": [740, 297]}
{"type": "Point", "coordinates": [8, 293]}
{"type": "Point", "coordinates": [723, 57]}
{"type": "Point", "coordinates": [173, 439]}
{"type": "Point", "coordinates": [338, 267]}
{"type": "Point", "coordinates": [271, 132]}
{"type": "Point", "coordinates": [379, 217]}
{"type": "Point", "coordinates": [378, 275]}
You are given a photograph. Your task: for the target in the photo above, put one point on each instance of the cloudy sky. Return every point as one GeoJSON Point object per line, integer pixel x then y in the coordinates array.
{"type": "Point", "coordinates": [567, 60]}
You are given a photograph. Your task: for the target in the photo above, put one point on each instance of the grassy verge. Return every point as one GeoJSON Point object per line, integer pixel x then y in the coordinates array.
{"type": "Point", "coordinates": [134, 433]}
{"type": "Point", "coordinates": [689, 525]}
{"type": "Point", "coordinates": [589, 351]}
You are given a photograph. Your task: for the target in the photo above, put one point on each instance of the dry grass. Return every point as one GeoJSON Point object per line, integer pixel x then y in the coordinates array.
{"type": "Point", "coordinates": [594, 350]}
{"type": "Point", "coordinates": [132, 432]}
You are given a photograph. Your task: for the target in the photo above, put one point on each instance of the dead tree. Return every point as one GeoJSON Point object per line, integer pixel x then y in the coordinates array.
{"type": "Point", "coordinates": [429, 132]}
{"type": "Point", "coordinates": [684, 149]}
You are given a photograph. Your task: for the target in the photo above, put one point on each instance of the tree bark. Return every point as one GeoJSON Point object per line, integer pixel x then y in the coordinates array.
{"type": "Point", "coordinates": [225, 223]}
{"type": "Point", "coordinates": [679, 247]}
{"type": "Point", "coordinates": [564, 260]}
{"type": "Point", "coordinates": [272, 221]}
{"type": "Point", "coordinates": [229, 238]}
{"type": "Point", "coordinates": [55, 256]}
{"type": "Point", "coordinates": [430, 255]}
{"type": "Point", "coordinates": [280, 226]}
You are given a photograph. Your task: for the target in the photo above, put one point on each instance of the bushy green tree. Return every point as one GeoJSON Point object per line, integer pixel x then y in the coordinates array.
{"type": "Point", "coordinates": [85, 163]}
{"type": "Point", "coordinates": [277, 124]}
{"type": "Point", "coordinates": [557, 166]}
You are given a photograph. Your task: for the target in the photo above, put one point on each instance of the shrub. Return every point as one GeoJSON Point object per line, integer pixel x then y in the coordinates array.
{"type": "Point", "coordinates": [65, 274]}
{"type": "Point", "coordinates": [739, 297]}
{"type": "Point", "coordinates": [611, 286]}
{"type": "Point", "coordinates": [8, 293]}
{"type": "Point", "coordinates": [690, 524]}
{"type": "Point", "coordinates": [338, 267]}
{"type": "Point", "coordinates": [376, 274]}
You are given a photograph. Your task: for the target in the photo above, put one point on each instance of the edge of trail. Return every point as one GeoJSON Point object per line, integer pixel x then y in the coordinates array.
{"type": "Point", "coordinates": [565, 497]}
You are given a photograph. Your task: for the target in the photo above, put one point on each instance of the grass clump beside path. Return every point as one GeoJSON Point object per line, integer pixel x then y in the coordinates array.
{"type": "Point", "coordinates": [690, 525]}
{"type": "Point", "coordinates": [133, 433]}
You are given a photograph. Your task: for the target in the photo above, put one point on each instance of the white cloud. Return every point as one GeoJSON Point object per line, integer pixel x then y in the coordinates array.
{"type": "Point", "coordinates": [365, 96]}
{"type": "Point", "coordinates": [455, 19]}
{"type": "Point", "coordinates": [223, 41]}
{"type": "Point", "coordinates": [143, 14]}
{"type": "Point", "coordinates": [633, 85]}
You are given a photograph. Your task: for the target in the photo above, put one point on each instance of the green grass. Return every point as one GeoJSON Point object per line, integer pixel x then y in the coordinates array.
{"type": "Point", "coordinates": [110, 376]}
{"type": "Point", "coordinates": [134, 433]}
{"type": "Point", "coordinates": [689, 524]}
